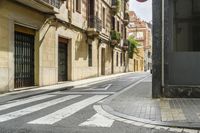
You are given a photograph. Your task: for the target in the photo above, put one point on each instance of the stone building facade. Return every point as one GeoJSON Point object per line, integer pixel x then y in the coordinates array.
{"type": "Point", "coordinates": [43, 42]}
{"type": "Point", "coordinates": [141, 31]}
{"type": "Point", "coordinates": [176, 30]}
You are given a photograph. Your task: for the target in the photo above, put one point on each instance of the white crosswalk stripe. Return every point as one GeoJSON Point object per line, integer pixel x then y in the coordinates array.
{"type": "Point", "coordinates": [67, 111]}
{"type": "Point", "coordinates": [24, 101]}
{"type": "Point", "coordinates": [98, 121]}
{"type": "Point", "coordinates": [31, 109]}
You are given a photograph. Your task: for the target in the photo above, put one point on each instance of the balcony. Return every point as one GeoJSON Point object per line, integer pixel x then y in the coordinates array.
{"type": "Point", "coordinates": [125, 45]}
{"type": "Point", "coordinates": [115, 4]}
{"type": "Point", "coordinates": [94, 26]}
{"type": "Point", "coordinates": [126, 19]}
{"type": "Point", "coordinates": [45, 6]}
{"type": "Point", "coordinates": [115, 38]}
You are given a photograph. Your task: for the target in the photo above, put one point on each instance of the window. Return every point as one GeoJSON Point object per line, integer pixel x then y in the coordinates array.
{"type": "Point", "coordinates": [118, 26]}
{"type": "Point", "coordinates": [139, 35]}
{"type": "Point", "coordinates": [121, 59]}
{"type": "Point", "coordinates": [125, 33]}
{"type": "Point", "coordinates": [122, 30]}
{"type": "Point", "coordinates": [89, 55]}
{"type": "Point", "coordinates": [104, 17]}
{"type": "Point", "coordinates": [149, 54]}
{"type": "Point", "coordinates": [117, 63]}
{"type": "Point", "coordinates": [78, 6]}
{"type": "Point", "coordinates": [67, 4]}
{"type": "Point", "coordinates": [186, 25]}
{"type": "Point", "coordinates": [113, 23]}
{"type": "Point", "coordinates": [124, 59]}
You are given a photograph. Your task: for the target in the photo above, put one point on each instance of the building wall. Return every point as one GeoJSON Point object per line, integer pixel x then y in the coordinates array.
{"type": "Point", "coordinates": [4, 54]}
{"type": "Point", "coordinates": [141, 30]}
{"type": "Point", "coordinates": [67, 24]}
{"type": "Point", "coordinates": [178, 76]}
{"type": "Point", "coordinates": [11, 14]}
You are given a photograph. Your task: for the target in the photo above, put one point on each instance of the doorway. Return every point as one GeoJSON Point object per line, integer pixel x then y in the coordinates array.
{"type": "Point", "coordinates": [24, 60]}
{"type": "Point", "coordinates": [103, 61]}
{"type": "Point", "coordinates": [112, 61]}
{"type": "Point", "coordinates": [62, 60]}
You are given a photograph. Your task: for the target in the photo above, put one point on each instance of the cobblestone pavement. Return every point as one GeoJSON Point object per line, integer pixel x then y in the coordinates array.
{"type": "Point", "coordinates": [137, 103]}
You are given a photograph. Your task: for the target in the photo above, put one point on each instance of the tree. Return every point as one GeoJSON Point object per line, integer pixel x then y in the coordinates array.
{"type": "Point", "coordinates": [132, 46]}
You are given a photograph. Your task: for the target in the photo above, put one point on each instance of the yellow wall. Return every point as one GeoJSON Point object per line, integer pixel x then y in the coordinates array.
{"type": "Point", "coordinates": [47, 33]}
{"type": "Point", "coordinates": [4, 53]}
{"type": "Point", "coordinates": [11, 14]}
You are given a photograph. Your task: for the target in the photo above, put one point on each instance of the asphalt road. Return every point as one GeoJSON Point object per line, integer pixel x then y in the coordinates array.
{"type": "Point", "coordinates": [68, 111]}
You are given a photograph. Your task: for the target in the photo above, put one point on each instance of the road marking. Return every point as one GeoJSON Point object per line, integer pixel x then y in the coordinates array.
{"type": "Point", "coordinates": [24, 101]}
{"type": "Point", "coordinates": [173, 129]}
{"type": "Point", "coordinates": [103, 89]}
{"type": "Point", "coordinates": [67, 111]}
{"type": "Point", "coordinates": [190, 131]}
{"type": "Point", "coordinates": [34, 108]}
{"type": "Point", "coordinates": [83, 93]}
{"type": "Point", "coordinates": [98, 121]}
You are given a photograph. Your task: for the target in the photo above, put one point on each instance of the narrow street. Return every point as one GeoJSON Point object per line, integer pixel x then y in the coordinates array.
{"type": "Point", "coordinates": [73, 111]}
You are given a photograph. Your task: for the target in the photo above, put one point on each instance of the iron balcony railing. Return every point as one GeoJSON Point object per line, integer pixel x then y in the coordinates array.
{"type": "Point", "coordinates": [55, 3]}
{"type": "Point", "coordinates": [114, 2]}
{"type": "Point", "coordinates": [95, 22]}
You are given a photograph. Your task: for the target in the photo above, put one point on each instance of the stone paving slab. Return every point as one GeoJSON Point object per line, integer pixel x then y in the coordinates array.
{"type": "Point", "coordinates": [136, 102]}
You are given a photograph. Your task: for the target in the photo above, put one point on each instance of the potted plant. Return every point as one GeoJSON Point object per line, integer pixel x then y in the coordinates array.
{"type": "Point", "coordinates": [115, 37]}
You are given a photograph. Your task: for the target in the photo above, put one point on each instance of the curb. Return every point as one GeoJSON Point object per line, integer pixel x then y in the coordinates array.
{"type": "Point", "coordinates": [108, 109]}
{"type": "Point", "coordinates": [101, 111]}
{"type": "Point", "coordinates": [44, 92]}
{"type": "Point", "coordinates": [155, 123]}
{"type": "Point", "coordinates": [64, 88]}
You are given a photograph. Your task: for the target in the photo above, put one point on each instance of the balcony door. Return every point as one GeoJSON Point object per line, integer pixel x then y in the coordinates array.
{"type": "Point", "coordinates": [91, 7]}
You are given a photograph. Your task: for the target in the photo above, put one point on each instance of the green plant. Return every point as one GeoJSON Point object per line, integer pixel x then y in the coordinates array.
{"type": "Point", "coordinates": [115, 36]}
{"type": "Point", "coordinates": [117, 5]}
{"type": "Point", "coordinates": [132, 46]}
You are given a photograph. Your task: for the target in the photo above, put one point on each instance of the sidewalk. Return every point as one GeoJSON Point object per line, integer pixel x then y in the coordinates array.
{"type": "Point", "coordinates": [23, 93]}
{"type": "Point", "coordinates": [135, 103]}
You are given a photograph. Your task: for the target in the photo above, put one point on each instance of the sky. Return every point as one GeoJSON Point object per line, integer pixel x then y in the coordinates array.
{"type": "Point", "coordinates": [143, 10]}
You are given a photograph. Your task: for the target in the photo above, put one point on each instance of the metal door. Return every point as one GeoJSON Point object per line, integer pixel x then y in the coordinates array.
{"type": "Point", "coordinates": [24, 60]}
{"type": "Point", "coordinates": [62, 62]}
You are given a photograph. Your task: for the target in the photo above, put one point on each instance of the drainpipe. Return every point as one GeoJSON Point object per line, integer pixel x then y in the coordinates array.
{"type": "Point", "coordinates": [163, 33]}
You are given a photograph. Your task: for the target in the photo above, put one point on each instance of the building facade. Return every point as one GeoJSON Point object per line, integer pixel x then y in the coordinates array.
{"type": "Point", "coordinates": [141, 31]}
{"type": "Point", "coordinates": [176, 48]}
{"type": "Point", "coordinates": [43, 42]}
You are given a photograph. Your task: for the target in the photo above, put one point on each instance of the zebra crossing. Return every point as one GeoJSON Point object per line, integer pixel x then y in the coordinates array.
{"type": "Point", "coordinates": [55, 117]}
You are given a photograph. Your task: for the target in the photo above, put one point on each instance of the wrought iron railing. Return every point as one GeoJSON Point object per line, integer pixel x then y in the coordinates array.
{"type": "Point", "coordinates": [114, 2]}
{"type": "Point", "coordinates": [126, 16]}
{"type": "Point", "coordinates": [56, 3]}
{"type": "Point", "coordinates": [95, 22]}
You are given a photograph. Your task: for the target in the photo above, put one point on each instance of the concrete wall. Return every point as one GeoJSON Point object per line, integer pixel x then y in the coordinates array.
{"type": "Point", "coordinates": [157, 37]}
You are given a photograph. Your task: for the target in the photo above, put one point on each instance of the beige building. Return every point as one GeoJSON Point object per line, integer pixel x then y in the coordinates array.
{"type": "Point", "coordinates": [141, 31]}
{"type": "Point", "coordinates": [43, 42]}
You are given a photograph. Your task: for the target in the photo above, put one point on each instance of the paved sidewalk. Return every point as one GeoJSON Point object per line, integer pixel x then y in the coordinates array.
{"type": "Point", "coordinates": [136, 104]}
{"type": "Point", "coordinates": [23, 93]}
